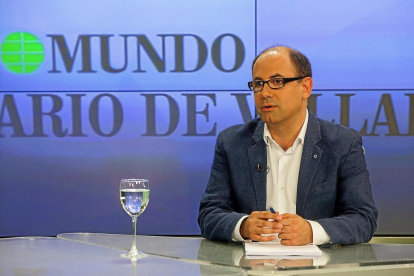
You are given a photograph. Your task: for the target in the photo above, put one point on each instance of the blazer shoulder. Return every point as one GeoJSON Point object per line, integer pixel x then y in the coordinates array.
{"type": "Point", "coordinates": [241, 133]}
{"type": "Point", "coordinates": [338, 135]}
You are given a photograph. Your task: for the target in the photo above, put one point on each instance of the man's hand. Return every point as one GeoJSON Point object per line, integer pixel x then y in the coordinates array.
{"type": "Point", "coordinates": [258, 223]}
{"type": "Point", "coordinates": [296, 230]}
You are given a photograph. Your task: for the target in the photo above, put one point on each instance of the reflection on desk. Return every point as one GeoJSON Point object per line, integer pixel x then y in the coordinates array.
{"type": "Point", "coordinates": [221, 254]}
{"type": "Point", "coordinates": [52, 256]}
{"type": "Point", "coordinates": [218, 252]}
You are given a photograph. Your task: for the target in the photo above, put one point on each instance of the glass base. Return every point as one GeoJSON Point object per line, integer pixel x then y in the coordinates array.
{"type": "Point", "coordinates": [134, 255]}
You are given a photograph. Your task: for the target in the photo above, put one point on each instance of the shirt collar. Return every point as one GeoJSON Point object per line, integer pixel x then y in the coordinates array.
{"type": "Point", "coordinates": [299, 139]}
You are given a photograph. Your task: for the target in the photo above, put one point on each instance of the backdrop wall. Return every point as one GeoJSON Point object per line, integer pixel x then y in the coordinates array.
{"type": "Point", "coordinates": [92, 92]}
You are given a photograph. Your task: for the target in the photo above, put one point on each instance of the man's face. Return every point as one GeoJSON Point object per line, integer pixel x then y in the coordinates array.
{"type": "Point", "coordinates": [278, 106]}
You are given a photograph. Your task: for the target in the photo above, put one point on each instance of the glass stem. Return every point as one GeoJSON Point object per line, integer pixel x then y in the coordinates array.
{"type": "Point", "coordinates": [134, 250]}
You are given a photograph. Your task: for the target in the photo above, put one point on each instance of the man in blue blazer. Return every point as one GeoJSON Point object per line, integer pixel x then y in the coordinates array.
{"type": "Point", "coordinates": [312, 172]}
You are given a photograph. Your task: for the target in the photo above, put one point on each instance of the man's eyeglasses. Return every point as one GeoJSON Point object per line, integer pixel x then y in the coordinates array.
{"type": "Point", "coordinates": [275, 83]}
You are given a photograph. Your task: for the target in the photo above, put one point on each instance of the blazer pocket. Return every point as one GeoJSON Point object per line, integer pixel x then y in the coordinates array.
{"type": "Point", "coordinates": [327, 186]}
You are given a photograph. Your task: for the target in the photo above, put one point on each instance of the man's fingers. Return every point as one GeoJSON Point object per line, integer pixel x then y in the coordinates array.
{"type": "Point", "coordinates": [268, 238]}
{"type": "Point", "coordinates": [269, 231]}
{"type": "Point", "coordinates": [284, 236]}
{"type": "Point", "coordinates": [261, 230]}
{"type": "Point", "coordinates": [287, 229]}
{"type": "Point", "coordinates": [258, 223]}
{"type": "Point", "coordinates": [262, 214]}
{"type": "Point", "coordinates": [261, 238]}
{"type": "Point", "coordinates": [295, 231]}
{"type": "Point", "coordinates": [287, 215]}
{"type": "Point", "coordinates": [286, 242]}
{"type": "Point", "coordinates": [266, 215]}
{"type": "Point", "coordinates": [265, 223]}
{"type": "Point", "coordinates": [291, 242]}
{"type": "Point", "coordinates": [285, 221]}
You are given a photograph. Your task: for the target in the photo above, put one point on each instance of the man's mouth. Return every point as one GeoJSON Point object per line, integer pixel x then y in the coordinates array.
{"type": "Point", "coordinates": [268, 107]}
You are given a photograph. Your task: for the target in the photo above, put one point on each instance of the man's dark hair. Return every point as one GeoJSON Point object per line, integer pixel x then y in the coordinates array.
{"type": "Point", "coordinates": [299, 60]}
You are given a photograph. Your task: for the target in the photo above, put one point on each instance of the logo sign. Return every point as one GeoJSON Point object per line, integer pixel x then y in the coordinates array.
{"type": "Point", "coordinates": [22, 53]}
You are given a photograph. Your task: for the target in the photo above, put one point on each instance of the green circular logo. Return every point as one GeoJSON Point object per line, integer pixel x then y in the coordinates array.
{"type": "Point", "coordinates": [22, 53]}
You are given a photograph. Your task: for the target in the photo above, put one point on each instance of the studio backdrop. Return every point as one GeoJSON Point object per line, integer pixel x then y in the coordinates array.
{"type": "Point", "coordinates": [92, 92]}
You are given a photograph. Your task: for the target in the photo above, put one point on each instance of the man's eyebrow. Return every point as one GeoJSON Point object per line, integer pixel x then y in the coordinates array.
{"type": "Point", "coordinates": [271, 77]}
{"type": "Point", "coordinates": [276, 76]}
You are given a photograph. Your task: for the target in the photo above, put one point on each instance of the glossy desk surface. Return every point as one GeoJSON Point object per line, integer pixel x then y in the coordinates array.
{"type": "Point", "coordinates": [93, 254]}
{"type": "Point", "coordinates": [53, 256]}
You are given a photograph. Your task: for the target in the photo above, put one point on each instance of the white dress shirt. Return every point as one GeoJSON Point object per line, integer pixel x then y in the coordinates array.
{"type": "Point", "coordinates": [282, 181]}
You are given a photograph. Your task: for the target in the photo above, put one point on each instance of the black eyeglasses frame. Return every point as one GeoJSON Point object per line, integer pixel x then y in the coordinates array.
{"type": "Point", "coordinates": [285, 81]}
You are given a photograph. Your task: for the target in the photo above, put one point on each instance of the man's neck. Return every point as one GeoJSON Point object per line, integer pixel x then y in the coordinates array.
{"type": "Point", "coordinates": [285, 133]}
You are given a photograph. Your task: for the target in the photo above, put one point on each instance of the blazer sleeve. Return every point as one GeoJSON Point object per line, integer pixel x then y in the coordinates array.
{"type": "Point", "coordinates": [217, 217]}
{"type": "Point", "coordinates": [355, 219]}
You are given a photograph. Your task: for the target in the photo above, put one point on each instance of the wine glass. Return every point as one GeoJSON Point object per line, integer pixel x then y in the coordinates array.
{"type": "Point", "coordinates": [134, 195]}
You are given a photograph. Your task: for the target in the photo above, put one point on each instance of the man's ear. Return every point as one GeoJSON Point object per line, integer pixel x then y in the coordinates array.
{"type": "Point", "coordinates": [307, 84]}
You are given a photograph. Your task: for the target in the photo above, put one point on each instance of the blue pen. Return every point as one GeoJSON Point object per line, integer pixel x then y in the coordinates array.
{"type": "Point", "coordinates": [272, 210]}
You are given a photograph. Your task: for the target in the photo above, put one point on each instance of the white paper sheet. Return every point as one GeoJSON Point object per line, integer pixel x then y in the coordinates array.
{"type": "Point", "coordinates": [277, 249]}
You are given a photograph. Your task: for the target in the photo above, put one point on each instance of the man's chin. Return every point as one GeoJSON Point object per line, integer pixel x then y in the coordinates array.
{"type": "Point", "coordinates": [270, 119]}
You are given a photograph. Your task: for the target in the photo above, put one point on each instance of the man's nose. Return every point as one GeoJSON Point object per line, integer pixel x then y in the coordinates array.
{"type": "Point", "coordinates": [267, 92]}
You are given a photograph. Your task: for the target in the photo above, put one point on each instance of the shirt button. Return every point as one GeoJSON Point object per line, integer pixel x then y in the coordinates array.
{"type": "Point", "coordinates": [283, 188]}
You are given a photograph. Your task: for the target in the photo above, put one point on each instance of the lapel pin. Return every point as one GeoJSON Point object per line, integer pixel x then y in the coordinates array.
{"type": "Point", "coordinates": [315, 156]}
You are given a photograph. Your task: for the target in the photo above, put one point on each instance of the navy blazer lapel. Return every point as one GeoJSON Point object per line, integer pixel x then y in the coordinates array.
{"type": "Point", "coordinates": [258, 156]}
{"type": "Point", "coordinates": [311, 155]}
